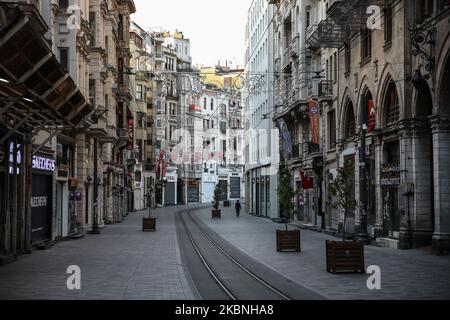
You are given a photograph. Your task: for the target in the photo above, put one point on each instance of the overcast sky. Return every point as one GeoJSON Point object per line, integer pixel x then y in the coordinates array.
{"type": "Point", "coordinates": [216, 28]}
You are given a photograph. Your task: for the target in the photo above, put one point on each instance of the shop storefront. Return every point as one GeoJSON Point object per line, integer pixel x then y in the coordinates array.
{"type": "Point", "coordinates": [43, 168]}
{"type": "Point", "coordinates": [390, 183]}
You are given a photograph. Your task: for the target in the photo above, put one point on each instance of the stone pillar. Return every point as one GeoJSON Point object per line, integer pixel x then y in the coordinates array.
{"type": "Point", "coordinates": [406, 175]}
{"type": "Point", "coordinates": [378, 230]}
{"type": "Point", "coordinates": [441, 166]}
{"type": "Point", "coordinates": [420, 192]}
{"type": "Point", "coordinates": [81, 158]}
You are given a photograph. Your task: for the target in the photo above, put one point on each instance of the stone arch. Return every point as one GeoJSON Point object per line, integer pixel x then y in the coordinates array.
{"type": "Point", "coordinates": [423, 106]}
{"type": "Point", "coordinates": [347, 119]}
{"type": "Point", "coordinates": [363, 89]}
{"type": "Point", "coordinates": [389, 97]}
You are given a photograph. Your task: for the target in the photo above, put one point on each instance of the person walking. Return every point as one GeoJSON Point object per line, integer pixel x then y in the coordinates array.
{"type": "Point", "coordinates": [238, 208]}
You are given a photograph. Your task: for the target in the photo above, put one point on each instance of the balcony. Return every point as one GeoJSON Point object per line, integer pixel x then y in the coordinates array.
{"type": "Point", "coordinates": [296, 152]}
{"type": "Point", "coordinates": [277, 64]}
{"type": "Point", "coordinates": [311, 148]}
{"type": "Point", "coordinates": [286, 58]}
{"type": "Point", "coordinates": [301, 151]}
{"type": "Point", "coordinates": [124, 135]}
{"type": "Point", "coordinates": [313, 88]}
{"type": "Point", "coordinates": [295, 46]}
{"type": "Point", "coordinates": [344, 18]}
{"type": "Point", "coordinates": [159, 56]}
{"type": "Point", "coordinates": [326, 91]}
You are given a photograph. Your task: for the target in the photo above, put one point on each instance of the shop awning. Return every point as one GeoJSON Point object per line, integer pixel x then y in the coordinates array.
{"type": "Point", "coordinates": [33, 84]}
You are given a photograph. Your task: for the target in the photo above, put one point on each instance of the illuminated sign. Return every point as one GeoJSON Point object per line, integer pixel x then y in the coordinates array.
{"type": "Point", "coordinates": [45, 164]}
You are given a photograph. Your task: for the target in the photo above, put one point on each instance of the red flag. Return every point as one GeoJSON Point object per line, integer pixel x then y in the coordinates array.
{"type": "Point", "coordinates": [371, 120]}
{"type": "Point", "coordinates": [307, 182]}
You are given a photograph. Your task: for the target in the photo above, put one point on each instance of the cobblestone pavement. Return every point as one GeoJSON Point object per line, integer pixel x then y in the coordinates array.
{"type": "Point", "coordinates": [411, 274]}
{"type": "Point", "coordinates": [121, 263]}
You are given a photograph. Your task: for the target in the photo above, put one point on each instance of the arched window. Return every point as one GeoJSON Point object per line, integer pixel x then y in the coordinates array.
{"type": "Point", "coordinates": [350, 123]}
{"type": "Point", "coordinates": [391, 104]}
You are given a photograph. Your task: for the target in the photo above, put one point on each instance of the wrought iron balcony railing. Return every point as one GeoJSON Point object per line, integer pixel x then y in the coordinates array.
{"type": "Point", "coordinates": [344, 18]}
{"type": "Point", "coordinates": [326, 89]}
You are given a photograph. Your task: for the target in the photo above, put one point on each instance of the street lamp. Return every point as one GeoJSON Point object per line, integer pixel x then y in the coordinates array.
{"type": "Point", "coordinates": [362, 232]}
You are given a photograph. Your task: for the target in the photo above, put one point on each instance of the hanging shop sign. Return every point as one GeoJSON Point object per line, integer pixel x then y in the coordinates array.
{"type": "Point", "coordinates": [131, 133]}
{"type": "Point", "coordinates": [314, 112]}
{"type": "Point", "coordinates": [390, 175]}
{"type": "Point", "coordinates": [43, 163]}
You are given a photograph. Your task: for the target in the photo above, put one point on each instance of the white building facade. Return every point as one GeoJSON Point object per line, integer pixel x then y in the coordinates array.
{"type": "Point", "coordinates": [261, 156]}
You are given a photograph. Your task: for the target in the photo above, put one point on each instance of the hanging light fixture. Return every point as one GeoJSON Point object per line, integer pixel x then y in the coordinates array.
{"type": "Point", "coordinates": [418, 80]}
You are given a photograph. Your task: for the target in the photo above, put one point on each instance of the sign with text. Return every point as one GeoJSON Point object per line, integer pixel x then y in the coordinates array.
{"type": "Point", "coordinates": [44, 164]}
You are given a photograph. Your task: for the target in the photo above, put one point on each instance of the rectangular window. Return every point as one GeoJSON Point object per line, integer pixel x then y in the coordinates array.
{"type": "Point", "coordinates": [92, 92]}
{"type": "Point", "coordinates": [212, 104]}
{"type": "Point", "coordinates": [366, 44]}
{"type": "Point", "coordinates": [388, 23]}
{"type": "Point", "coordinates": [347, 58]}
{"type": "Point", "coordinates": [64, 58]}
{"type": "Point", "coordinates": [332, 129]}
{"type": "Point", "coordinates": [139, 93]}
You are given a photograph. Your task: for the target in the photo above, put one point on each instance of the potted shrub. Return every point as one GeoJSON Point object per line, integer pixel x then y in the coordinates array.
{"type": "Point", "coordinates": [287, 240]}
{"type": "Point", "coordinates": [216, 213]}
{"type": "Point", "coordinates": [344, 256]}
{"type": "Point", "coordinates": [149, 224]}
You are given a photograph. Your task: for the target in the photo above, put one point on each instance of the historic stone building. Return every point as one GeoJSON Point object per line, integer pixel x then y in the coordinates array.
{"type": "Point", "coordinates": [142, 63]}
{"type": "Point", "coordinates": [68, 152]}
{"type": "Point", "coordinates": [371, 78]}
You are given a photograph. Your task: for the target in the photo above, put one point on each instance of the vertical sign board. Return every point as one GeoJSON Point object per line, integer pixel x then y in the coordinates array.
{"type": "Point", "coordinates": [314, 111]}
{"type": "Point", "coordinates": [235, 187]}
{"type": "Point", "coordinates": [130, 145]}
{"type": "Point", "coordinates": [41, 199]}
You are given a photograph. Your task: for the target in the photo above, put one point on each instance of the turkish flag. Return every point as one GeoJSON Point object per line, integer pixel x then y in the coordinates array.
{"type": "Point", "coordinates": [371, 119]}
{"type": "Point", "coordinates": [307, 182]}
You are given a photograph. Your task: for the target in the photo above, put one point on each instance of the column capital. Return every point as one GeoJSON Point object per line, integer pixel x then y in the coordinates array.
{"type": "Point", "coordinates": [440, 123]}
{"type": "Point", "coordinates": [413, 127]}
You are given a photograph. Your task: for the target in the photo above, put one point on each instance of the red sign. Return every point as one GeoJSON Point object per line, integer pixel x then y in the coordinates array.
{"type": "Point", "coordinates": [314, 112]}
{"type": "Point", "coordinates": [194, 107]}
{"type": "Point", "coordinates": [371, 119]}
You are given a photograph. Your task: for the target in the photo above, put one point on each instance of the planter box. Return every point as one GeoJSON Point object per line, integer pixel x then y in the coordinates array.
{"type": "Point", "coordinates": [149, 224]}
{"type": "Point", "coordinates": [288, 240]}
{"type": "Point", "coordinates": [216, 214]}
{"type": "Point", "coordinates": [227, 203]}
{"type": "Point", "coordinates": [345, 256]}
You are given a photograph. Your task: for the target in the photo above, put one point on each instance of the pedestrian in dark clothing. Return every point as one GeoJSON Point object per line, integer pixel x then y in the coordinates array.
{"type": "Point", "coordinates": [238, 208]}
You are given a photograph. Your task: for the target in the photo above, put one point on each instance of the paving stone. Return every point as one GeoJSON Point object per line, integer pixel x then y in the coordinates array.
{"type": "Point", "coordinates": [121, 263]}
{"type": "Point", "coordinates": [409, 274]}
